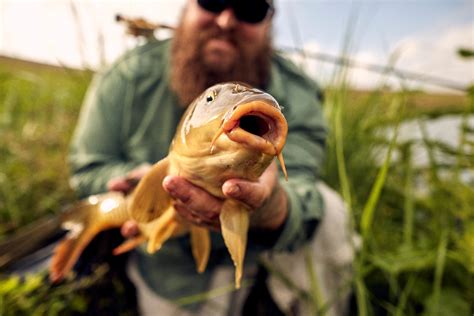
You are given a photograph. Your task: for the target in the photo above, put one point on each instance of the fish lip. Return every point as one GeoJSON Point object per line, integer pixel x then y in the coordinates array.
{"type": "Point", "coordinates": [271, 141]}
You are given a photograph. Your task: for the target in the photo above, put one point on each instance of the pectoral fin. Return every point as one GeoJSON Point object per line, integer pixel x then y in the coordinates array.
{"type": "Point", "coordinates": [149, 199]}
{"type": "Point", "coordinates": [161, 229]}
{"type": "Point", "coordinates": [129, 244]}
{"type": "Point", "coordinates": [201, 246]}
{"type": "Point", "coordinates": [234, 219]}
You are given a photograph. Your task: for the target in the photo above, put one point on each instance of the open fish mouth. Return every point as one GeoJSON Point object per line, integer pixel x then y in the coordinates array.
{"type": "Point", "coordinates": [257, 125]}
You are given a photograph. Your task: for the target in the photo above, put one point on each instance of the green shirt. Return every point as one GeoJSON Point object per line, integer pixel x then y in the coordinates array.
{"type": "Point", "coordinates": [130, 116]}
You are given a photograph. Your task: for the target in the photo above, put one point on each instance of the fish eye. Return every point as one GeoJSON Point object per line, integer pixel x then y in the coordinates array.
{"type": "Point", "coordinates": [211, 97]}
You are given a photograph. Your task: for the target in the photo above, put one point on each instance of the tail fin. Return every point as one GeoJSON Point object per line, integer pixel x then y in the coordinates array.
{"type": "Point", "coordinates": [85, 220]}
{"type": "Point", "coordinates": [77, 219]}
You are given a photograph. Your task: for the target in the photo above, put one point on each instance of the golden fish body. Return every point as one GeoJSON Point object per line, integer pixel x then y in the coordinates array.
{"type": "Point", "coordinates": [85, 219]}
{"type": "Point", "coordinates": [230, 131]}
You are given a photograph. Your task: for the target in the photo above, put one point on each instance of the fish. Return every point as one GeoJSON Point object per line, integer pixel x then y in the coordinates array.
{"type": "Point", "coordinates": [231, 130]}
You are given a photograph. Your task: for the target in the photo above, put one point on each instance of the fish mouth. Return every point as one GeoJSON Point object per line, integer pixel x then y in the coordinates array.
{"type": "Point", "coordinates": [256, 125]}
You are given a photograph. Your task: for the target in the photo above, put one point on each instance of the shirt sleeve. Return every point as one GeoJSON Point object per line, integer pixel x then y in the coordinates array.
{"type": "Point", "coordinates": [96, 153]}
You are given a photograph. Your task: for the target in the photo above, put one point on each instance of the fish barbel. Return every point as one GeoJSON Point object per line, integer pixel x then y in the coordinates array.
{"type": "Point", "coordinates": [230, 131]}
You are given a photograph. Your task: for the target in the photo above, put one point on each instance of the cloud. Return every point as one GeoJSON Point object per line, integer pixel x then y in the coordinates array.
{"type": "Point", "coordinates": [319, 64]}
{"type": "Point", "coordinates": [435, 54]}
{"type": "Point", "coordinates": [427, 54]}
{"type": "Point", "coordinates": [47, 30]}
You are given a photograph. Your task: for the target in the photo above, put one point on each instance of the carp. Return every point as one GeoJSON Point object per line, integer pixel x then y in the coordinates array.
{"type": "Point", "coordinates": [230, 131]}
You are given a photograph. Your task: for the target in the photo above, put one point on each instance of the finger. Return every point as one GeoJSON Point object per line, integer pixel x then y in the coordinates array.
{"type": "Point", "coordinates": [129, 229]}
{"type": "Point", "coordinates": [129, 182]}
{"type": "Point", "coordinates": [203, 216]}
{"type": "Point", "coordinates": [254, 194]}
{"type": "Point", "coordinates": [195, 219]}
{"type": "Point", "coordinates": [192, 197]}
{"type": "Point", "coordinates": [119, 185]}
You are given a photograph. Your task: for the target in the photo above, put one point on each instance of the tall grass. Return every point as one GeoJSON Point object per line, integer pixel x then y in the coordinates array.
{"type": "Point", "coordinates": [38, 111]}
{"type": "Point", "coordinates": [417, 222]}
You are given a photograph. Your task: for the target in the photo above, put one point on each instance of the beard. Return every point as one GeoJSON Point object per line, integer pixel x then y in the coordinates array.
{"type": "Point", "coordinates": [190, 74]}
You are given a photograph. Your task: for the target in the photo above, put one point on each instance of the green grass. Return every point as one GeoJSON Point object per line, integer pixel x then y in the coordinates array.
{"type": "Point", "coordinates": [417, 223]}
{"type": "Point", "coordinates": [38, 111]}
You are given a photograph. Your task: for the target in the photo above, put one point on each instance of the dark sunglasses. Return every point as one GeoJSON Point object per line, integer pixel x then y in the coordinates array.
{"type": "Point", "coordinates": [249, 11]}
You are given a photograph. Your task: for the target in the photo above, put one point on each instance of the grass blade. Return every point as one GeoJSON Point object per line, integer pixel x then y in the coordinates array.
{"type": "Point", "coordinates": [404, 297]}
{"type": "Point", "coordinates": [439, 269]}
{"type": "Point", "coordinates": [316, 295]}
{"type": "Point", "coordinates": [369, 208]}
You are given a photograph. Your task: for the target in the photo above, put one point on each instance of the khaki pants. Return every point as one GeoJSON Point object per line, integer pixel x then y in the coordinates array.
{"type": "Point", "coordinates": [322, 268]}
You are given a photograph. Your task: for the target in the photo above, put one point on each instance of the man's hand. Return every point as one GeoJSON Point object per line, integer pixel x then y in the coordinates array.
{"type": "Point", "coordinates": [127, 183]}
{"type": "Point", "coordinates": [266, 198]}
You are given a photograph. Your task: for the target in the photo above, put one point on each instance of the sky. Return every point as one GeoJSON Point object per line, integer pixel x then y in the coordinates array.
{"type": "Point", "coordinates": [419, 35]}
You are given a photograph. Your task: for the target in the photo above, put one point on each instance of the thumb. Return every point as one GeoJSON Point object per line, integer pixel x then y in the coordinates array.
{"type": "Point", "coordinates": [253, 194]}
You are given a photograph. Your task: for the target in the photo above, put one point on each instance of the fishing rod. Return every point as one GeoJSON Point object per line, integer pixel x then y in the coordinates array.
{"type": "Point", "coordinates": [139, 27]}
{"type": "Point", "coordinates": [404, 74]}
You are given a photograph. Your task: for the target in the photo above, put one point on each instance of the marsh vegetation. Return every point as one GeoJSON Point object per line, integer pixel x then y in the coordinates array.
{"type": "Point", "coordinates": [416, 221]}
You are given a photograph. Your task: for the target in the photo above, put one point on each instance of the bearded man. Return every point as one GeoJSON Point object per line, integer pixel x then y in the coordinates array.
{"type": "Point", "coordinates": [130, 116]}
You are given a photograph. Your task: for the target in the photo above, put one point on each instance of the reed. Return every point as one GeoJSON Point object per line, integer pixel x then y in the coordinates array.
{"type": "Point", "coordinates": [416, 221]}
{"type": "Point", "coordinates": [410, 261]}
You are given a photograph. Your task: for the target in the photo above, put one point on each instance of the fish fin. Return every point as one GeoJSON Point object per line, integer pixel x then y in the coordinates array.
{"type": "Point", "coordinates": [129, 244]}
{"type": "Point", "coordinates": [84, 220]}
{"type": "Point", "coordinates": [67, 252]}
{"type": "Point", "coordinates": [149, 199]}
{"type": "Point", "coordinates": [234, 219]}
{"type": "Point", "coordinates": [201, 246]}
{"type": "Point", "coordinates": [162, 229]}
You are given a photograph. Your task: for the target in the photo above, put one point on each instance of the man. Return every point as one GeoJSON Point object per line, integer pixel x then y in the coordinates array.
{"type": "Point", "coordinates": [130, 116]}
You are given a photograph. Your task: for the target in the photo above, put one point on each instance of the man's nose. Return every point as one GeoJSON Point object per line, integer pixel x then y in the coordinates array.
{"type": "Point", "coordinates": [226, 19]}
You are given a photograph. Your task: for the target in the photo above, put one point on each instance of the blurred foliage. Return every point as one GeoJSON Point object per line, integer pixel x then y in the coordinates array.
{"type": "Point", "coordinates": [38, 111]}
{"type": "Point", "coordinates": [95, 294]}
{"type": "Point", "coordinates": [466, 52]}
{"type": "Point", "coordinates": [418, 231]}
{"type": "Point", "coordinates": [30, 296]}
{"type": "Point", "coordinates": [417, 255]}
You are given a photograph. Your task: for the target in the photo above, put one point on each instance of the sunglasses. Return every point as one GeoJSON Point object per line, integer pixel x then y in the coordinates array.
{"type": "Point", "coordinates": [248, 11]}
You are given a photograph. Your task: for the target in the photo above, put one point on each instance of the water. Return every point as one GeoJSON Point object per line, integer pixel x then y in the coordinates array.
{"type": "Point", "coordinates": [445, 130]}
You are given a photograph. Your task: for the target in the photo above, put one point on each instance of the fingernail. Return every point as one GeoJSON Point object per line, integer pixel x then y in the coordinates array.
{"type": "Point", "coordinates": [231, 189]}
{"type": "Point", "coordinates": [169, 184]}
